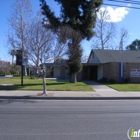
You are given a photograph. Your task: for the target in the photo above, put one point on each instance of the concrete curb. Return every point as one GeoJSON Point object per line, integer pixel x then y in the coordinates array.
{"type": "Point", "coordinates": [69, 98]}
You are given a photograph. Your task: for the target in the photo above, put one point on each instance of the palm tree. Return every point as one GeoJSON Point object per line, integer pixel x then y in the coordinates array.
{"type": "Point", "coordinates": [13, 53]}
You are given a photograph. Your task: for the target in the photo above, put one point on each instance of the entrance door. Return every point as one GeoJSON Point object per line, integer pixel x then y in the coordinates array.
{"type": "Point", "coordinates": [89, 73]}
{"type": "Point", "coordinates": [93, 73]}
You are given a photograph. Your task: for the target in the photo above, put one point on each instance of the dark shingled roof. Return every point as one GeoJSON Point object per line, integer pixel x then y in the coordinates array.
{"type": "Point", "coordinates": [106, 56]}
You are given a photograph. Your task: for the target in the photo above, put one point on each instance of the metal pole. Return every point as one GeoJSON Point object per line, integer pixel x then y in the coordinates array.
{"type": "Point", "coordinates": [122, 61]}
{"type": "Point", "coordinates": [22, 75]}
{"type": "Point", "coordinates": [122, 67]}
{"type": "Point", "coordinates": [22, 67]}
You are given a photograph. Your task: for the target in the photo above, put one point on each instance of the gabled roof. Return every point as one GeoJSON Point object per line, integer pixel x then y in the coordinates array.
{"type": "Point", "coordinates": [106, 56]}
{"type": "Point", "coordinates": [57, 62]}
{"type": "Point", "coordinates": [49, 64]}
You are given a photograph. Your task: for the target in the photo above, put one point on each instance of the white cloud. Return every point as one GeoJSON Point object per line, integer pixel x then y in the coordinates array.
{"type": "Point", "coordinates": [115, 14]}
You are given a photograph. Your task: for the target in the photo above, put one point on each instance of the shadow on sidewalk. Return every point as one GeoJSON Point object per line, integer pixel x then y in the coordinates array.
{"type": "Point", "coordinates": [92, 83]}
{"type": "Point", "coordinates": [9, 101]}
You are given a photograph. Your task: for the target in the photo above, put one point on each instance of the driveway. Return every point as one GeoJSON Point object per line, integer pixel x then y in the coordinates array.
{"type": "Point", "coordinates": [6, 76]}
{"type": "Point", "coordinates": [98, 87]}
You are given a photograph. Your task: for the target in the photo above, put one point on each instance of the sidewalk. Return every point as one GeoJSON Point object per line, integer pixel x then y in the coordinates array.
{"type": "Point", "coordinates": [69, 95]}
{"type": "Point", "coordinates": [101, 92]}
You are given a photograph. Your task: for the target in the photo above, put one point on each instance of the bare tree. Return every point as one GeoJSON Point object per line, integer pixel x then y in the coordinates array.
{"type": "Point", "coordinates": [4, 67]}
{"type": "Point", "coordinates": [18, 22]}
{"type": "Point", "coordinates": [61, 42]}
{"type": "Point", "coordinates": [84, 58]}
{"type": "Point", "coordinates": [43, 46]}
{"type": "Point", "coordinates": [105, 31]}
{"type": "Point", "coordinates": [40, 47]}
{"type": "Point", "coordinates": [29, 35]}
{"type": "Point", "coordinates": [40, 43]}
{"type": "Point", "coordinates": [123, 38]}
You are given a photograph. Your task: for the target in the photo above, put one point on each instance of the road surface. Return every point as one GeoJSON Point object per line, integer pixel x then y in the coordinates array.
{"type": "Point", "coordinates": [68, 120]}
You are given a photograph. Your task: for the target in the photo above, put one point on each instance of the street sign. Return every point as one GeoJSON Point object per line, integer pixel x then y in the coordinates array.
{"type": "Point", "coordinates": [19, 57]}
{"type": "Point", "coordinates": [25, 60]}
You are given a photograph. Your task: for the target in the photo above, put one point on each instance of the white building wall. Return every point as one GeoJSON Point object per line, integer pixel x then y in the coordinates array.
{"type": "Point", "coordinates": [48, 72]}
{"type": "Point", "coordinates": [100, 72]}
{"type": "Point", "coordinates": [67, 73]}
{"type": "Point", "coordinates": [93, 59]}
{"type": "Point", "coordinates": [56, 72]}
{"type": "Point", "coordinates": [90, 59]}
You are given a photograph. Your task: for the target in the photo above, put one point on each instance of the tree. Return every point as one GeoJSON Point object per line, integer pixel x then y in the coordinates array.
{"type": "Point", "coordinates": [40, 43]}
{"type": "Point", "coordinates": [105, 31]}
{"type": "Point", "coordinates": [40, 47]}
{"type": "Point", "coordinates": [80, 16]}
{"type": "Point", "coordinates": [12, 53]}
{"type": "Point", "coordinates": [4, 67]}
{"type": "Point", "coordinates": [123, 38]}
{"type": "Point", "coordinates": [134, 46]}
{"type": "Point", "coordinates": [71, 37]}
{"type": "Point", "coordinates": [74, 53]}
{"type": "Point", "coordinates": [60, 47]}
{"type": "Point", "coordinates": [19, 22]}
{"type": "Point", "coordinates": [85, 58]}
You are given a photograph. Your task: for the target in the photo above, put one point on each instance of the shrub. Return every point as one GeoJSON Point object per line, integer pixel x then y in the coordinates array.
{"type": "Point", "coordinates": [126, 80]}
{"type": "Point", "coordinates": [112, 81]}
{"type": "Point", "coordinates": [2, 73]}
{"type": "Point", "coordinates": [103, 80]}
{"type": "Point", "coordinates": [13, 71]}
{"type": "Point", "coordinates": [32, 77]}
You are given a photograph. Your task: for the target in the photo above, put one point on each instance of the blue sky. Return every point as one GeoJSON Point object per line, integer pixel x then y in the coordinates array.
{"type": "Point", "coordinates": [123, 17]}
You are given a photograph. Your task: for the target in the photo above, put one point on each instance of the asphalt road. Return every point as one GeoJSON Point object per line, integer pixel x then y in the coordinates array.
{"type": "Point", "coordinates": [68, 120]}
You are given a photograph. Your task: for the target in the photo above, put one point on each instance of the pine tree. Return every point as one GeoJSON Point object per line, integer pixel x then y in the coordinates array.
{"type": "Point", "coordinates": [80, 16]}
{"type": "Point", "coordinates": [134, 46]}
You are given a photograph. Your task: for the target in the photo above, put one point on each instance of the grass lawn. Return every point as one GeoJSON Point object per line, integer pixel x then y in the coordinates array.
{"type": "Point", "coordinates": [125, 87]}
{"type": "Point", "coordinates": [36, 84]}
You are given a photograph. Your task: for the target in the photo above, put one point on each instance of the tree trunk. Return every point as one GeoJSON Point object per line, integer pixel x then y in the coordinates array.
{"type": "Point", "coordinates": [12, 60]}
{"type": "Point", "coordinates": [25, 70]}
{"type": "Point", "coordinates": [73, 78]}
{"type": "Point", "coordinates": [44, 83]}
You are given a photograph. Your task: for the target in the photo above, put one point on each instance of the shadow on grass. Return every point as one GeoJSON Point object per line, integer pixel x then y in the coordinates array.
{"type": "Point", "coordinates": [14, 87]}
{"type": "Point", "coordinates": [18, 87]}
{"type": "Point", "coordinates": [61, 83]}
{"type": "Point", "coordinates": [40, 84]}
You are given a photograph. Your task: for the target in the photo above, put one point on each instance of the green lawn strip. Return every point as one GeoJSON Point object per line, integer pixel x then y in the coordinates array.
{"type": "Point", "coordinates": [36, 84]}
{"type": "Point", "coordinates": [125, 87]}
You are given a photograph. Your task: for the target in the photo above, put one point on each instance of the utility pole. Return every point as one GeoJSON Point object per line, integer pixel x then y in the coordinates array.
{"type": "Point", "coordinates": [19, 61]}
{"type": "Point", "coordinates": [22, 67]}
{"type": "Point", "coordinates": [121, 63]}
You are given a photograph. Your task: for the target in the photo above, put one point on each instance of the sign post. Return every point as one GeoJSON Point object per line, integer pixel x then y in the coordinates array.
{"type": "Point", "coordinates": [19, 62]}
{"type": "Point", "coordinates": [121, 63]}
{"type": "Point", "coordinates": [22, 60]}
